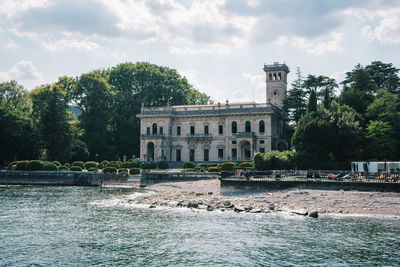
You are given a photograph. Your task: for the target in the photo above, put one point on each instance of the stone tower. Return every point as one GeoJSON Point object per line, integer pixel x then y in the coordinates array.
{"type": "Point", "coordinates": [276, 81]}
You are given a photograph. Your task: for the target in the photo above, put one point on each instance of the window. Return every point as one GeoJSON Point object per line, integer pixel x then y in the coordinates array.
{"type": "Point", "coordinates": [234, 127]}
{"type": "Point", "coordinates": [279, 76]}
{"type": "Point", "coordinates": [191, 155]}
{"type": "Point", "coordinates": [178, 130]}
{"type": "Point", "coordinates": [154, 128]}
{"type": "Point", "coordinates": [161, 130]}
{"type": "Point", "coordinates": [148, 130]}
{"type": "Point", "coordinates": [205, 129]}
{"type": "Point", "coordinates": [191, 129]}
{"type": "Point", "coordinates": [178, 155]}
{"type": "Point", "coordinates": [261, 141]}
{"type": "Point", "coordinates": [206, 155]}
{"type": "Point", "coordinates": [247, 127]}
{"type": "Point", "coordinates": [261, 126]}
{"type": "Point", "coordinates": [220, 153]}
{"type": "Point", "coordinates": [234, 153]}
{"type": "Point", "coordinates": [234, 142]}
{"type": "Point", "coordinates": [270, 76]}
{"type": "Point", "coordinates": [262, 150]}
{"type": "Point", "coordinates": [220, 129]}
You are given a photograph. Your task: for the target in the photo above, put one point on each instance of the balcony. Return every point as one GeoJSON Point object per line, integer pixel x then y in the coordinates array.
{"type": "Point", "coordinates": [245, 134]}
{"type": "Point", "coordinates": [199, 136]}
{"type": "Point", "coordinates": [153, 136]}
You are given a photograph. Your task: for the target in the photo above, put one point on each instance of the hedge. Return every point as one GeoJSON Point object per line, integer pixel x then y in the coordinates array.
{"type": "Point", "coordinates": [129, 165]}
{"type": "Point", "coordinates": [67, 164]}
{"type": "Point", "coordinates": [148, 165]}
{"type": "Point", "coordinates": [34, 165]}
{"type": "Point", "coordinates": [228, 166]}
{"type": "Point", "coordinates": [21, 165]}
{"type": "Point", "coordinates": [63, 168]}
{"type": "Point", "coordinates": [90, 164]}
{"type": "Point", "coordinates": [187, 170]}
{"type": "Point", "coordinates": [49, 166]}
{"type": "Point", "coordinates": [114, 164]}
{"type": "Point", "coordinates": [213, 169]}
{"type": "Point", "coordinates": [110, 170]}
{"type": "Point", "coordinates": [202, 166]}
{"type": "Point", "coordinates": [245, 165]}
{"type": "Point", "coordinates": [134, 171]}
{"type": "Point", "coordinates": [212, 165]}
{"type": "Point", "coordinates": [188, 165]}
{"type": "Point", "coordinates": [92, 169]}
{"type": "Point", "coordinates": [75, 168]}
{"type": "Point", "coordinates": [121, 170]}
{"type": "Point", "coordinates": [163, 165]}
{"type": "Point", "coordinates": [79, 164]}
{"type": "Point", "coordinates": [104, 162]}
{"type": "Point", "coordinates": [56, 162]}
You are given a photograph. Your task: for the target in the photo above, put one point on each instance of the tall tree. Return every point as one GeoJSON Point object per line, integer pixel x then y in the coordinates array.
{"type": "Point", "coordinates": [312, 102]}
{"type": "Point", "coordinates": [380, 143]}
{"type": "Point", "coordinates": [294, 102]}
{"type": "Point", "coordinates": [14, 97]}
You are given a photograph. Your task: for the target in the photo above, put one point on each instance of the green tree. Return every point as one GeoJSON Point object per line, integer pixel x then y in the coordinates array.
{"type": "Point", "coordinates": [312, 102]}
{"type": "Point", "coordinates": [386, 107]}
{"type": "Point", "coordinates": [94, 98]}
{"type": "Point", "coordinates": [380, 142]}
{"type": "Point", "coordinates": [14, 97]}
{"type": "Point", "coordinates": [194, 97]}
{"type": "Point", "coordinates": [381, 73]}
{"type": "Point", "coordinates": [294, 102]}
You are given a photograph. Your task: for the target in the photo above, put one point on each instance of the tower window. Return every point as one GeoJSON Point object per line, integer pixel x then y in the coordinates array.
{"type": "Point", "coordinates": [148, 130]}
{"type": "Point", "coordinates": [279, 76]}
{"type": "Point", "coordinates": [270, 76]}
{"type": "Point", "coordinates": [154, 128]}
{"type": "Point", "coordinates": [161, 130]}
{"type": "Point", "coordinates": [274, 76]}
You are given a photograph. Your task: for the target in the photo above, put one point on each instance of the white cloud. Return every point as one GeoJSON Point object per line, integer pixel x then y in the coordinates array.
{"type": "Point", "coordinates": [64, 44]}
{"type": "Point", "coordinates": [339, 76]}
{"type": "Point", "coordinates": [10, 7]}
{"type": "Point", "coordinates": [316, 46]}
{"type": "Point", "coordinates": [25, 73]}
{"type": "Point", "coordinates": [388, 30]}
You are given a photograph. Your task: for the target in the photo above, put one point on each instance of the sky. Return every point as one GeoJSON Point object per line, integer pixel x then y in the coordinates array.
{"type": "Point", "coordinates": [220, 46]}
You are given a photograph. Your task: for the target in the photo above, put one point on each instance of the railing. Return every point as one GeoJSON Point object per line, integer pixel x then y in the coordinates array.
{"type": "Point", "coordinates": [156, 136]}
{"type": "Point", "coordinates": [199, 136]}
{"type": "Point", "coordinates": [245, 134]}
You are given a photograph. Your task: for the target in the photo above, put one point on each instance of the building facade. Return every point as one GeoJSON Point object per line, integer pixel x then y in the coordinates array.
{"type": "Point", "coordinates": [217, 132]}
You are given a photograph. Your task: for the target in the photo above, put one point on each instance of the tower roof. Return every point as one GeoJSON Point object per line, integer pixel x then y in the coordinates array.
{"type": "Point", "coordinates": [276, 66]}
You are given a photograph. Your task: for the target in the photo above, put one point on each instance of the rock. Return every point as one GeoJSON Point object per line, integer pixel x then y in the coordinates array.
{"type": "Point", "coordinates": [247, 209]}
{"type": "Point", "coordinates": [238, 209]}
{"type": "Point", "coordinates": [303, 213]}
{"type": "Point", "coordinates": [152, 206]}
{"type": "Point", "coordinates": [226, 203]}
{"type": "Point", "coordinates": [210, 208]}
{"type": "Point", "coordinates": [192, 204]}
{"type": "Point", "coordinates": [199, 194]}
{"type": "Point", "coordinates": [210, 193]}
{"type": "Point", "coordinates": [255, 211]}
{"type": "Point", "coordinates": [313, 214]}
{"type": "Point", "coordinates": [202, 207]}
{"type": "Point", "coordinates": [271, 207]}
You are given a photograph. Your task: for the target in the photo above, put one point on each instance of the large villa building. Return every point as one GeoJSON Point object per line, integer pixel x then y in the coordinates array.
{"type": "Point", "coordinates": [217, 132]}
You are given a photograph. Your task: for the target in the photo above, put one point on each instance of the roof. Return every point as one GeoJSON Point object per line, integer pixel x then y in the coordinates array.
{"type": "Point", "coordinates": [276, 67]}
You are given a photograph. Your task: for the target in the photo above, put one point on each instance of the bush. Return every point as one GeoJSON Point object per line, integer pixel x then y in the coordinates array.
{"type": "Point", "coordinates": [110, 170]}
{"type": "Point", "coordinates": [188, 165]}
{"type": "Point", "coordinates": [228, 166]}
{"type": "Point", "coordinates": [92, 169]}
{"type": "Point", "coordinates": [104, 162]}
{"type": "Point", "coordinates": [21, 165]}
{"type": "Point", "coordinates": [148, 165]}
{"type": "Point", "coordinates": [133, 171]}
{"type": "Point", "coordinates": [259, 162]}
{"type": "Point", "coordinates": [79, 164]}
{"type": "Point", "coordinates": [114, 164]}
{"type": "Point", "coordinates": [245, 165]}
{"type": "Point", "coordinates": [213, 169]}
{"type": "Point", "coordinates": [90, 164]}
{"type": "Point", "coordinates": [49, 166]}
{"type": "Point", "coordinates": [212, 165]}
{"type": "Point", "coordinates": [67, 164]}
{"type": "Point", "coordinates": [56, 162]}
{"type": "Point", "coordinates": [129, 165]}
{"type": "Point", "coordinates": [75, 168]}
{"type": "Point", "coordinates": [187, 170]}
{"type": "Point", "coordinates": [34, 165]}
{"type": "Point", "coordinates": [163, 165]}
{"type": "Point", "coordinates": [202, 166]}
{"type": "Point", "coordinates": [122, 170]}
{"type": "Point", "coordinates": [63, 168]}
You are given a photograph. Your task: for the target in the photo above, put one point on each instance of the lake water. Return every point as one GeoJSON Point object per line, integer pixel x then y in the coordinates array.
{"type": "Point", "coordinates": [81, 226]}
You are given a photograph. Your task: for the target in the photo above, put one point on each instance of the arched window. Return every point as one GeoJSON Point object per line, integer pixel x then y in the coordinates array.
{"type": "Point", "coordinates": [279, 76]}
{"type": "Point", "coordinates": [261, 126]}
{"type": "Point", "coordinates": [274, 76]}
{"type": "Point", "coordinates": [270, 76]}
{"type": "Point", "coordinates": [247, 126]}
{"type": "Point", "coordinates": [154, 128]}
{"type": "Point", "coordinates": [234, 127]}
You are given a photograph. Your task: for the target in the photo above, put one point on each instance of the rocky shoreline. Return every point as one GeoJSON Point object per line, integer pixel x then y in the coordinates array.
{"type": "Point", "coordinates": [205, 195]}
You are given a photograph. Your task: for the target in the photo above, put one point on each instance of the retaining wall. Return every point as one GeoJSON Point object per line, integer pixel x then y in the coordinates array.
{"type": "Point", "coordinates": [159, 177]}
{"type": "Point", "coordinates": [232, 185]}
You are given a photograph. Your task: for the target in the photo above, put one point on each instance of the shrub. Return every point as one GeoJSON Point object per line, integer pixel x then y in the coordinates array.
{"type": "Point", "coordinates": [92, 169]}
{"type": "Point", "coordinates": [79, 163]}
{"type": "Point", "coordinates": [163, 165]}
{"type": "Point", "coordinates": [49, 166]}
{"type": "Point", "coordinates": [75, 168]}
{"type": "Point", "coordinates": [56, 162]}
{"type": "Point", "coordinates": [129, 165]}
{"type": "Point", "coordinates": [114, 164]}
{"type": "Point", "coordinates": [63, 168]}
{"type": "Point", "coordinates": [34, 165]}
{"type": "Point", "coordinates": [187, 170]}
{"type": "Point", "coordinates": [212, 165]}
{"type": "Point", "coordinates": [188, 165]}
{"type": "Point", "coordinates": [228, 166]}
{"type": "Point", "coordinates": [213, 169]}
{"type": "Point", "coordinates": [90, 164]}
{"type": "Point", "coordinates": [133, 171]}
{"type": "Point", "coordinates": [21, 165]}
{"type": "Point", "coordinates": [110, 170]}
{"type": "Point", "coordinates": [245, 165]}
{"type": "Point", "coordinates": [148, 165]}
{"type": "Point", "coordinates": [259, 162]}
{"type": "Point", "coordinates": [202, 165]}
{"type": "Point", "coordinates": [122, 170]}
{"type": "Point", "coordinates": [67, 164]}
{"type": "Point", "coordinates": [104, 162]}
